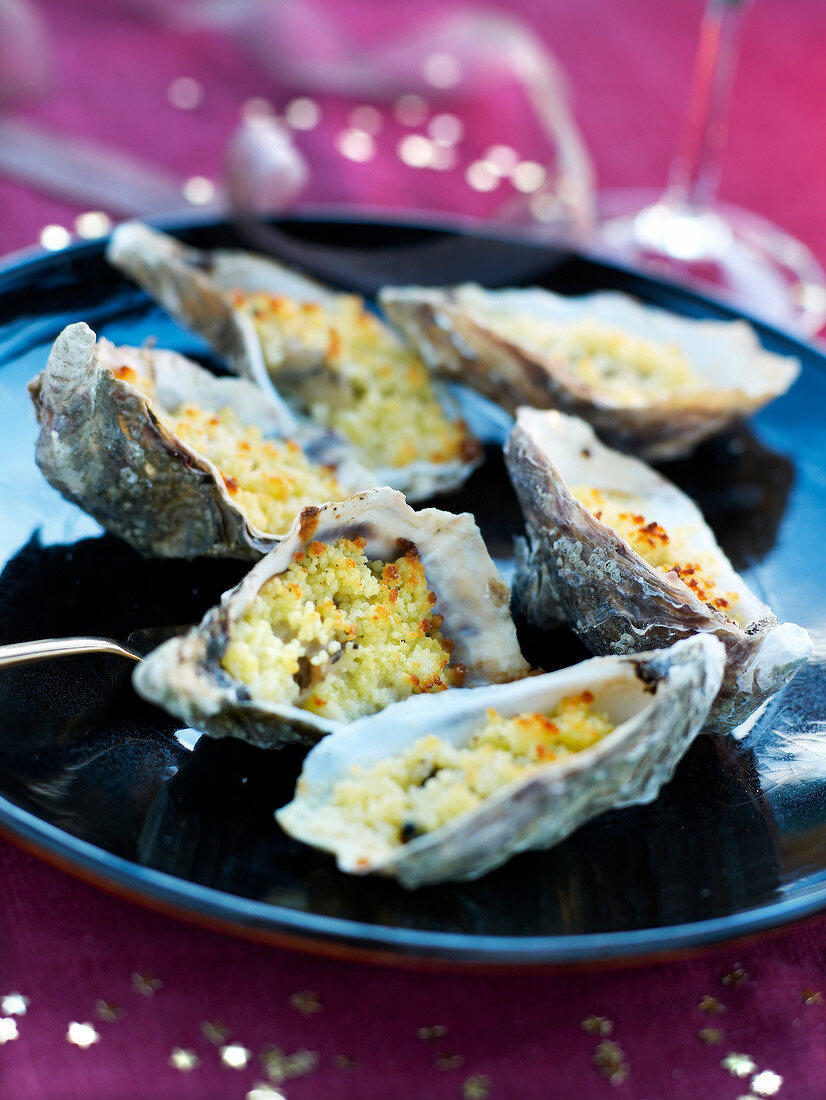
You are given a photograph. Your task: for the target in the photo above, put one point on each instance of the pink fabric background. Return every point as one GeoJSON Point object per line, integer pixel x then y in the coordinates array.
{"type": "Point", "coordinates": [65, 944]}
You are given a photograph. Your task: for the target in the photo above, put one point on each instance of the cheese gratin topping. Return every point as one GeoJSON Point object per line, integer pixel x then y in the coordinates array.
{"type": "Point", "coordinates": [669, 552]}
{"type": "Point", "coordinates": [269, 480]}
{"type": "Point", "coordinates": [342, 636]}
{"type": "Point", "coordinates": [419, 790]}
{"type": "Point", "coordinates": [628, 370]}
{"type": "Point", "coordinates": [351, 374]}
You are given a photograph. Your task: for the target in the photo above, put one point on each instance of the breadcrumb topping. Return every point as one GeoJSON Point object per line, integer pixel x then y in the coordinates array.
{"type": "Point", "coordinates": [269, 480]}
{"type": "Point", "coordinates": [353, 375]}
{"type": "Point", "coordinates": [669, 552]}
{"type": "Point", "coordinates": [433, 781]}
{"type": "Point", "coordinates": [630, 370]}
{"type": "Point", "coordinates": [342, 636]}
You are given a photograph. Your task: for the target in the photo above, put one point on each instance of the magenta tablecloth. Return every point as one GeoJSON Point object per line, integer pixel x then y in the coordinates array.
{"type": "Point", "coordinates": [682, 1029]}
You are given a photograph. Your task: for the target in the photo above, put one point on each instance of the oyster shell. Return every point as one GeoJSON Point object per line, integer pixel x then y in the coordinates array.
{"type": "Point", "coordinates": [572, 566]}
{"type": "Point", "coordinates": [648, 381]}
{"type": "Point", "coordinates": [187, 677]}
{"type": "Point", "coordinates": [109, 446]}
{"type": "Point", "coordinates": [305, 355]}
{"type": "Point", "coordinates": [657, 703]}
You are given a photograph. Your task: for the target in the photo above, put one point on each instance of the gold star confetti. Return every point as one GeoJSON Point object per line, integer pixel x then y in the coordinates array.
{"type": "Point", "coordinates": [811, 997]}
{"type": "Point", "coordinates": [14, 1004]}
{"type": "Point", "coordinates": [82, 1035]}
{"type": "Point", "coordinates": [738, 1065]}
{"type": "Point", "coordinates": [766, 1083]}
{"type": "Point", "coordinates": [235, 1056]}
{"type": "Point", "coordinates": [215, 1033]}
{"type": "Point", "coordinates": [345, 1062]}
{"type": "Point", "coordinates": [92, 223]}
{"type": "Point", "coordinates": [198, 190]}
{"type": "Point", "coordinates": [146, 985]}
{"type": "Point", "coordinates": [262, 1091]}
{"type": "Point", "coordinates": [306, 1003]}
{"type": "Point", "coordinates": [444, 1060]}
{"type": "Point", "coordinates": [302, 113]}
{"type": "Point", "coordinates": [609, 1058]}
{"type": "Point", "coordinates": [476, 1087]}
{"type": "Point", "coordinates": [710, 1035]}
{"type": "Point", "coordinates": [735, 977]}
{"type": "Point", "coordinates": [356, 145]}
{"type": "Point", "coordinates": [55, 237]}
{"type": "Point", "coordinates": [280, 1066]}
{"type": "Point", "coordinates": [184, 1060]}
{"type": "Point", "coordinates": [599, 1025]}
{"type": "Point", "coordinates": [428, 1033]}
{"type": "Point", "coordinates": [8, 1030]}
{"type": "Point", "coordinates": [711, 1005]}
{"type": "Point", "coordinates": [108, 1011]}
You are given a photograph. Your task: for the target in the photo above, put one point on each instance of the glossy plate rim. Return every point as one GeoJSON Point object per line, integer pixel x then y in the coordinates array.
{"type": "Point", "coordinates": [339, 937]}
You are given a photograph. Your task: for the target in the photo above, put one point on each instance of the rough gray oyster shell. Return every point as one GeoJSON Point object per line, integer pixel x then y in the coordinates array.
{"type": "Point", "coordinates": [572, 567]}
{"type": "Point", "coordinates": [106, 446]}
{"type": "Point", "coordinates": [467, 334]}
{"type": "Point", "coordinates": [658, 700]}
{"type": "Point", "coordinates": [185, 675]}
{"type": "Point", "coordinates": [196, 288]}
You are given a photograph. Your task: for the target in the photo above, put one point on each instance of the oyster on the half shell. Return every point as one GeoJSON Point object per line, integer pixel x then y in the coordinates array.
{"type": "Point", "coordinates": [147, 442]}
{"type": "Point", "coordinates": [649, 382]}
{"type": "Point", "coordinates": [625, 558]}
{"type": "Point", "coordinates": [363, 603]}
{"type": "Point", "coordinates": [429, 791]}
{"type": "Point", "coordinates": [335, 361]}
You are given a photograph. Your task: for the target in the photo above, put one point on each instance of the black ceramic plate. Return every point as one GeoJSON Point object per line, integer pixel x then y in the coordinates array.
{"type": "Point", "coordinates": [97, 781]}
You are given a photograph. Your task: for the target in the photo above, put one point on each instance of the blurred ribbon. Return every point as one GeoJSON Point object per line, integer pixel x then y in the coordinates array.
{"type": "Point", "coordinates": [304, 45]}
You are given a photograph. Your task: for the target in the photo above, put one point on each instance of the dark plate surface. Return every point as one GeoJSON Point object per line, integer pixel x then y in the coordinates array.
{"type": "Point", "coordinates": [91, 777]}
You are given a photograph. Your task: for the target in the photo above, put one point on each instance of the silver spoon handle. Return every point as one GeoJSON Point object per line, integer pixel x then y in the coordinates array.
{"type": "Point", "coordinates": [47, 649]}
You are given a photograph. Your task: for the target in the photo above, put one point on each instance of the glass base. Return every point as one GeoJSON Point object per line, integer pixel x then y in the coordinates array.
{"type": "Point", "coordinates": [748, 261]}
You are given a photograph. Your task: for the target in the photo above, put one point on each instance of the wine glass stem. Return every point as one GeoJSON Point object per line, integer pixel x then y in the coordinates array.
{"type": "Point", "coordinates": [694, 173]}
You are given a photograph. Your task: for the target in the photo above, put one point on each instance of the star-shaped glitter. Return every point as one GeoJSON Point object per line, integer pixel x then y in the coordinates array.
{"type": "Point", "coordinates": [82, 1035]}
{"type": "Point", "coordinates": [609, 1058]}
{"type": "Point", "coordinates": [262, 1091]}
{"type": "Point", "coordinates": [214, 1033]}
{"type": "Point", "coordinates": [739, 1065]}
{"type": "Point", "coordinates": [476, 1087]}
{"type": "Point", "coordinates": [607, 1053]}
{"type": "Point", "coordinates": [145, 985]}
{"type": "Point", "coordinates": [710, 1035]}
{"type": "Point", "coordinates": [766, 1083]}
{"type": "Point", "coordinates": [445, 1060]}
{"type": "Point", "coordinates": [8, 1030]}
{"type": "Point", "coordinates": [108, 1011]}
{"type": "Point", "coordinates": [14, 1004]}
{"type": "Point", "coordinates": [735, 977]}
{"type": "Point", "coordinates": [428, 1033]}
{"type": "Point", "coordinates": [599, 1025]}
{"type": "Point", "coordinates": [711, 1005]}
{"type": "Point", "coordinates": [235, 1056]}
{"type": "Point", "coordinates": [811, 996]}
{"type": "Point", "coordinates": [184, 1059]}
{"type": "Point", "coordinates": [306, 1003]}
{"type": "Point", "coordinates": [280, 1066]}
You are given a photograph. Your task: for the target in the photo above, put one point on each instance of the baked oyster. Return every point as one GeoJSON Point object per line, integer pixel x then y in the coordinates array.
{"type": "Point", "coordinates": [429, 791]}
{"type": "Point", "coordinates": [174, 460]}
{"type": "Point", "coordinates": [625, 558]}
{"type": "Point", "coordinates": [336, 362]}
{"type": "Point", "coordinates": [649, 382]}
{"type": "Point", "coordinates": [364, 603]}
